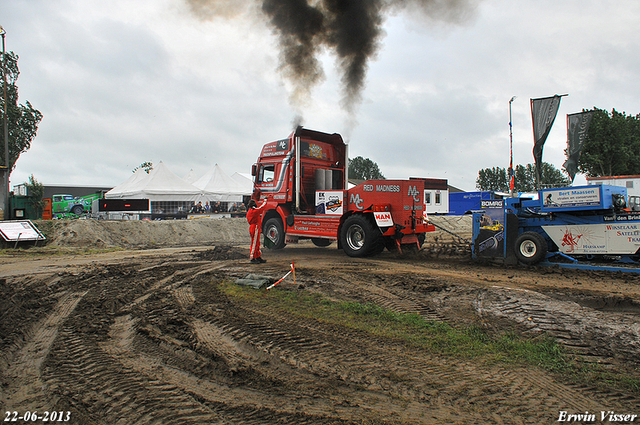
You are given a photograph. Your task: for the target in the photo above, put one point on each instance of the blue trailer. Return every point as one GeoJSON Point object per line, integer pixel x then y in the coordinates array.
{"type": "Point", "coordinates": [461, 203]}
{"type": "Point", "coordinates": [577, 223]}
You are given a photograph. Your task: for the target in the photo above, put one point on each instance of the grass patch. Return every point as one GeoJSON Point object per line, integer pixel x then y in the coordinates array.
{"type": "Point", "coordinates": [439, 338]}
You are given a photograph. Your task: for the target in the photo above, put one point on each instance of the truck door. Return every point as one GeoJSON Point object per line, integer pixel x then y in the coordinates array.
{"type": "Point", "coordinates": [57, 204]}
{"type": "Point", "coordinates": [269, 177]}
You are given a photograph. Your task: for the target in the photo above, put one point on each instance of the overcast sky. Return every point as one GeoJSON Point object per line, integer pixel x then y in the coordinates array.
{"type": "Point", "coordinates": [121, 82]}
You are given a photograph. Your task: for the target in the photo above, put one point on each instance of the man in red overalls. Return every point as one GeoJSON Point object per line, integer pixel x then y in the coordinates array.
{"type": "Point", "coordinates": [254, 217]}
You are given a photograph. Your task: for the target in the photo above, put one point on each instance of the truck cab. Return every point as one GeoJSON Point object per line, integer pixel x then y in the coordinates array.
{"type": "Point", "coordinates": [289, 176]}
{"type": "Point", "coordinates": [68, 204]}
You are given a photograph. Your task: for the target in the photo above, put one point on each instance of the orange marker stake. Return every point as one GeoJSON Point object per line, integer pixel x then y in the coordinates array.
{"type": "Point", "coordinates": [293, 267]}
{"type": "Point", "coordinates": [283, 277]}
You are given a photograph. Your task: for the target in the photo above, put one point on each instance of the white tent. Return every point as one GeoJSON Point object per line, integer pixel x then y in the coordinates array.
{"type": "Point", "coordinates": [219, 187]}
{"type": "Point", "coordinates": [245, 180]}
{"type": "Point", "coordinates": [191, 177]}
{"type": "Point", "coordinates": [118, 191]}
{"type": "Point", "coordinates": [159, 185]}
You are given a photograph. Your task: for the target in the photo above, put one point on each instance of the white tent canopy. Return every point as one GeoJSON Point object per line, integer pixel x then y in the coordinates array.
{"type": "Point", "coordinates": [159, 185]}
{"type": "Point", "coordinates": [191, 177]}
{"type": "Point", "coordinates": [118, 191]}
{"type": "Point", "coordinates": [245, 180]}
{"type": "Point", "coordinates": [219, 187]}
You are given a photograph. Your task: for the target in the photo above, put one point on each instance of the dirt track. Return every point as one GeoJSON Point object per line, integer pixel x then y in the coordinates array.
{"type": "Point", "coordinates": [151, 336]}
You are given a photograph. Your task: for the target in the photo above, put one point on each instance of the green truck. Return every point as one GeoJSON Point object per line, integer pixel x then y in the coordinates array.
{"type": "Point", "coordinates": [63, 205]}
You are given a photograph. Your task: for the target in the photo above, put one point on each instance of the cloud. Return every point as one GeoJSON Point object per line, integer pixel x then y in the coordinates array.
{"type": "Point", "coordinates": [351, 30]}
{"type": "Point", "coordinates": [121, 82]}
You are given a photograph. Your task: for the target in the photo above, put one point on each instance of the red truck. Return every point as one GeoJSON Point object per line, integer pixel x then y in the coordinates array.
{"type": "Point", "coordinates": [303, 180]}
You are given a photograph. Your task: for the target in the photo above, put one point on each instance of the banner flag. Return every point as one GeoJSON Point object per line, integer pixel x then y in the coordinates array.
{"type": "Point", "coordinates": [543, 114]}
{"type": "Point", "coordinates": [577, 130]}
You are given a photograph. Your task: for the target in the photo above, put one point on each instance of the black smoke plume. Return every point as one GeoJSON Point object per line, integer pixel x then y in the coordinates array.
{"type": "Point", "coordinates": [351, 29]}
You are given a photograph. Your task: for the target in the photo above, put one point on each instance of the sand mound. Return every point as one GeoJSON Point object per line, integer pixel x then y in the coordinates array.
{"type": "Point", "coordinates": [138, 234]}
{"type": "Point", "coordinates": [91, 233]}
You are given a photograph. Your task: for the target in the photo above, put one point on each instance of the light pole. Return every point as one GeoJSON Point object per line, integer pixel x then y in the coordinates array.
{"type": "Point", "coordinates": [511, 170]}
{"type": "Point", "coordinates": [6, 129]}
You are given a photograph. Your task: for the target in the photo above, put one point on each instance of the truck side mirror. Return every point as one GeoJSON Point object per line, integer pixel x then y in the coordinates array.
{"type": "Point", "coordinates": [254, 169]}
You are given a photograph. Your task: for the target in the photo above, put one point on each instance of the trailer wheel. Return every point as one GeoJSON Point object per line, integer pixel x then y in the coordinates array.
{"type": "Point", "coordinates": [274, 231]}
{"type": "Point", "coordinates": [530, 248]}
{"type": "Point", "coordinates": [77, 210]}
{"type": "Point", "coordinates": [359, 237]}
{"type": "Point", "coordinates": [321, 242]}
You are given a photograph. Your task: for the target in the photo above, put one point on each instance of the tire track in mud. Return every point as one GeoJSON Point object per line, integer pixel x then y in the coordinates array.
{"type": "Point", "coordinates": [289, 341]}
{"type": "Point", "coordinates": [536, 384]}
{"type": "Point", "coordinates": [162, 344]}
{"type": "Point", "coordinates": [594, 334]}
{"type": "Point", "coordinates": [232, 404]}
{"type": "Point", "coordinates": [367, 284]}
{"type": "Point", "coordinates": [462, 390]}
{"type": "Point", "coordinates": [349, 380]}
{"type": "Point", "coordinates": [147, 375]}
{"type": "Point", "coordinates": [101, 386]}
{"type": "Point", "coordinates": [94, 383]}
{"type": "Point", "coordinates": [27, 391]}
{"type": "Point", "coordinates": [241, 347]}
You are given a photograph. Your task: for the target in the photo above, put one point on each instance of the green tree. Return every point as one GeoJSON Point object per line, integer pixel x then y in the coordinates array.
{"type": "Point", "coordinates": [35, 190]}
{"type": "Point", "coordinates": [493, 179]}
{"type": "Point", "coordinates": [525, 177]}
{"type": "Point", "coordinates": [364, 169]}
{"type": "Point", "coordinates": [612, 146]}
{"type": "Point", "coordinates": [496, 178]}
{"type": "Point", "coordinates": [22, 120]}
{"type": "Point", "coordinates": [146, 166]}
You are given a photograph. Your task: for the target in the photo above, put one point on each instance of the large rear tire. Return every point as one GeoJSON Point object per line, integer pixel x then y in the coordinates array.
{"type": "Point", "coordinates": [273, 231]}
{"type": "Point", "coordinates": [359, 237]}
{"type": "Point", "coordinates": [530, 248]}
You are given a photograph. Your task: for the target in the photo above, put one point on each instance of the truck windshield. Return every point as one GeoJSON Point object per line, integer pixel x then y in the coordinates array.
{"type": "Point", "coordinates": [266, 173]}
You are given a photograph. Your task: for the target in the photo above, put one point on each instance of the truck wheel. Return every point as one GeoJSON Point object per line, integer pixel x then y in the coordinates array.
{"type": "Point", "coordinates": [274, 231]}
{"type": "Point", "coordinates": [321, 242]}
{"type": "Point", "coordinates": [531, 248]}
{"type": "Point", "coordinates": [359, 237]}
{"type": "Point", "coordinates": [77, 210]}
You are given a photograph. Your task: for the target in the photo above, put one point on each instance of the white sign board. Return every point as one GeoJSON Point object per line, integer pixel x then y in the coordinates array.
{"type": "Point", "coordinates": [383, 219]}
{"type": "Point", "coordinates": [20, 231]}
{"type": "Point", "coordinates": [571, 197]}
{"type": "Point", "coordinates": [329, 202]}
{"type": "Point", "coordinates": [614, 238]}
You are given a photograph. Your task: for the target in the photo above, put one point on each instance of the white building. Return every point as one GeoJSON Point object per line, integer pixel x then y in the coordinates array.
{"type": "Point", "coordinates": [632, 183]}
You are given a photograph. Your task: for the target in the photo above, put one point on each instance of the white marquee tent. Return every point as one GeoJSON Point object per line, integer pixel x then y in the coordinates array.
{"type": "Point", "coordinates": [190, 177]}
{"type": "Point", "coordinates": [217, 186]}
{"type": "Point", "coordinates": [163, 185]}
{"type": "Point", "coordinates": [245, 180]}
{"type": "Point", "coordinates": [122, 188]}
{"type": "Point", "coordinates": [159, 185]}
